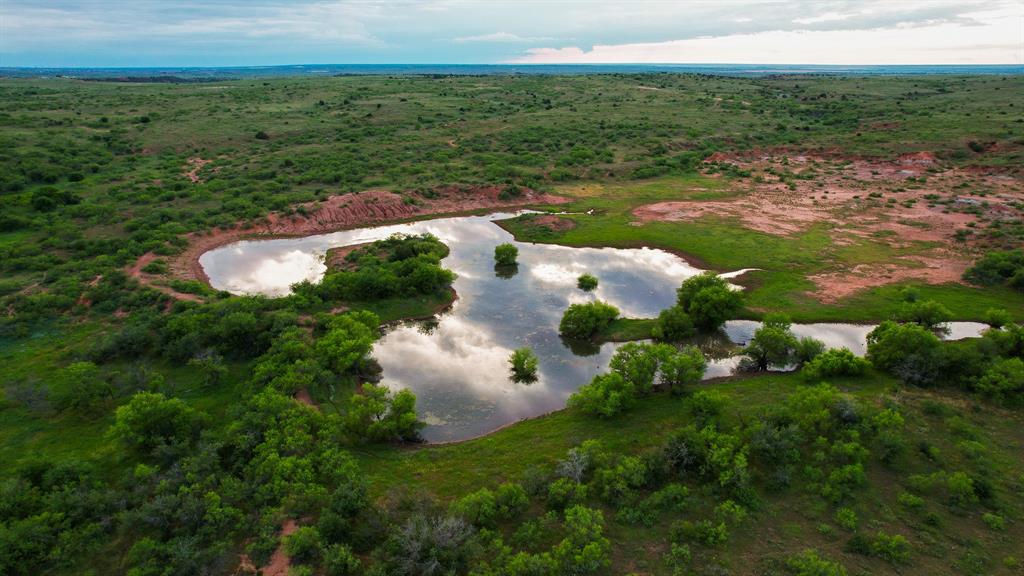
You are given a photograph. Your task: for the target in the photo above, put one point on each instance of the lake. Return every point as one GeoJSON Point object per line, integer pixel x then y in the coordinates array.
{"type": "Point", "coordinates": [457, 363]}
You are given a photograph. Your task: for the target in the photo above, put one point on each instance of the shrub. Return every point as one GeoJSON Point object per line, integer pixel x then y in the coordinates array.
{"type": "Point", "coordinates": [606, 395]}
{"type": "Point", "coordinates": [1004, 382]}
{"type": "Point", "coordinates": [673, 324]}
{"type": "Point", "coordinates": [909, 351]}
{"type": "Point", "coordinates": [505, 254]}
{"type": "Point", "coordinates": [708, 300]}
{"type": "Point", "coordinates": [927, 313]}
{"type": "Point", "coordinates": [997, 317]}
{"type": "Point", "coordinates": [835, 362]}
{"type": "Point", "coordinates": [303, 545]}
{"type": "Point", "coordinates": [338, 560]}
{"type": "Point", "coordinates": [585, 320]}
{"type": "Point", "coordinates": [149, 420]}
{"type": "Point", "coordinates": [639, 363]}
{"type": "Point", "coordinates": [807, 349]}
{"type": "Point", "coordinates": [773, 345]}
{"type": "Point", "coordinates": [510, 500]}
{"type": "Point", "coordinates": [524, 365]}
{"type": "Point", "coordinates": [377, 415]}
{"type": "Point", "coordinates": [565, 493]}
{"type": "Point", "coordinates": [587, 282]}
{"type": "Point", "coordinates": [682, 369]}
{"type": "Point", "coordinates": [846, 518]}
{"type": "Point", "coordinates": [893, 549]}
{"type": "Point", "coordinates": [994, 521]}
{"type": "Point", "coordinates": [808, 563]}
{"type": "Point", "coordinates": [996, 268]}
{"type": "Point", "coordinates": [478, 508]}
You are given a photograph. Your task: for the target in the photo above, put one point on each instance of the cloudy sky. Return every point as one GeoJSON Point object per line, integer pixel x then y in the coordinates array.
{"type": "Point", "coordinates": [267, 32]}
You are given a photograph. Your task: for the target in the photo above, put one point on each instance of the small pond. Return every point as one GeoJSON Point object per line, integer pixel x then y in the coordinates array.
{"type": "Point", "coordinates": [457, 363]}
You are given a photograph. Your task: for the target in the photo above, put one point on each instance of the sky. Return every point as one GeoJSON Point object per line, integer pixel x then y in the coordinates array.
{"type": "Point", "coordinates": [95, 33]}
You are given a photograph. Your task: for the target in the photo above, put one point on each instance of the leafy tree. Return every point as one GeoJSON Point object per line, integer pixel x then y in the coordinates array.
{"type": "Point", "coordinates": [835, 362]}
{"type": "Point", "coordinates": [150, 420]}
{"type": "Point", "coordinates": [376, 415]}
{"type": "Point", "coordinates": [708, 300]}
{"type": "Point", "coordinates": [524, 365]}
{"type": "Point", "coordinates": [909, 351]}
{"type": "Point", "coordinates": [348, 341]}
{"type": "Point", "coordinates": [81, 386]}
{"type": "Point", "coordinates": [584, 550]}
{"type": "Point", "coordinates": [773, 344]}
{"type": "Point", "coordinates": [303, 545]}
{"type": "Point", "coordinates": [606, 395]}
{"type": "Point", "coordinates": [996, 268]}
{"type": "Point", "coordinates": [807, 349]}
{"type": "Point", "coordinates": [682, 369]}
{"type": "Point", "coordinates": [338, 560]}
{"type": "Point", "coordinates": [997, 317]}
{"type": "Point", "coordinates": [673, 324]}
{"type": "Point", "coordinates": [584, 320]}
{"type": "Point", "coordinates": [505, 254]}
{"type": "Point", "coordinates": [638, 363]}
{"type": "Point", "coordinates": [1004, 381]}
{"type": "Point", "coordinates": [587, 282]}
{"type": "Point", "coordinates": [478, 508]}
{"type": "Point", "coordinates": [211, 368]}
{"type": "Point", "coordinates": [927, 313]}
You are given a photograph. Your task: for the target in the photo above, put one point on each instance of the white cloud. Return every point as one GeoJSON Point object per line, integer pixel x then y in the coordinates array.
{"type": "Point", "coordinates": [985, 38]}
{"type": "Point", "coordinates": [499, 37]}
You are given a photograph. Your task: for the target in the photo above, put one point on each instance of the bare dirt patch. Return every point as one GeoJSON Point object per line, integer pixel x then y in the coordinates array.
{"type": "Point", "coordinates": [303, 396]}
{"type": "Point", "coordinates": [368, 208]}
{"type": "Point", "coordinates": [911, 201]}
{"type": "Point", "coordinates": [192, 168]}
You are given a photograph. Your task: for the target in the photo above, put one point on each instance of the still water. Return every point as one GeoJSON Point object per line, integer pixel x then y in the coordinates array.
{"type": "Point", "coordinates": [457, 363]}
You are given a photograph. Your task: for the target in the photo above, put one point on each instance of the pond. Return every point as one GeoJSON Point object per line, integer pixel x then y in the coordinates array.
{"type": "Point", "coordinates": [457, 363]}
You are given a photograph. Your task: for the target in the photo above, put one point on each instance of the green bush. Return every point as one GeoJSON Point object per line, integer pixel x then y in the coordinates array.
{"type": "Point", "coordinates": [505, 254]}
{"type": "Point", "coordinates": [673, 324]}
{"type": "Point", "coordinates": [835, 362]}
{"type": "Point", "coordinates": [708, 300]}
{"type": "Point", "coordinates": [587, 282]}
{"type": "Point", "coordinates": [809, 563]}
{"type": "Point", "coordinates": [583, 321]}
{"type": "Point", "coordinates": [524, 365]}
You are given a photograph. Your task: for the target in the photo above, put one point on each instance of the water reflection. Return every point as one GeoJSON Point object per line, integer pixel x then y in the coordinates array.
{"type": "Point", "coordinates": [457, 364]}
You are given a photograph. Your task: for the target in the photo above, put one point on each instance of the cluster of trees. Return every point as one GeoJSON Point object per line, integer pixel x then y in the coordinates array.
{"type": "Point", "coordinates": [400, 266]}
{"type": "Point", "coordinates": [775, 346]}
{"type": "Point", "coordinates": [638, 370]}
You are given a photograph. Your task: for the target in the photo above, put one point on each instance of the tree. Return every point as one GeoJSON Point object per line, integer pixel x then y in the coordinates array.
{"type": "Point", "coordinates": [211, 368]}
{"type": "Point", "coordinates": [835, 362]}
{"type": "Point", "coordinates": [606, 395]}
{"type": "Point", "coordinates": [638, 363]}
{"type": "Point", "coordinates": [682, 369]}
{"type": "Point", "coordinates": [81, 386]}
{"type": "Point", "coordinates": [584, 550]}
{"type": "Point", "coordinates": [927, 313]}
{"type": "Point", "coordinates": [303, 545]}
{"type": "Point", "coordinates": [997, 317]}
{"type": "Point", "coordinates": [773, 344]}
{"type": "Point", "coordinates": [150, 420]}
{"type": "Point", "coordinates": [673, 325]}
{"type": "Point", "coordinates": [587, 282]}
{"type": "Point", "coordinates": [376, 415]}
{"type": "Point", "coordinates": [1004, 381]}
{"type": "Point", "coordinates": [909, 351]}
{"type": "Point", "coordinates": [584, 320]}
{"type": "Point", "coordinates": [524, 365]}
{"type": "Point", "coordinates": [348, 341]}
{"type": "Point", "coordinates": [708, 300]}
{"type": "Point", "coordinates": [505, 254]}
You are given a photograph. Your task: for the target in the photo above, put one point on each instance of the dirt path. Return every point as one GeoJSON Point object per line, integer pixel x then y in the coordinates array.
{"type": "Point", "coordinates": [372, 207]}
{"type": "Point", "coordinates": [279, 561]}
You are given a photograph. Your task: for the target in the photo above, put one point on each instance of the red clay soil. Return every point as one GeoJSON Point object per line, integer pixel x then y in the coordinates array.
{"type": "Point", "coordinates": [279, 561]}
{"type": "Point", "coordinates": [837, 194]}
{"type": "Point", "coordinates": [372, 207]}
